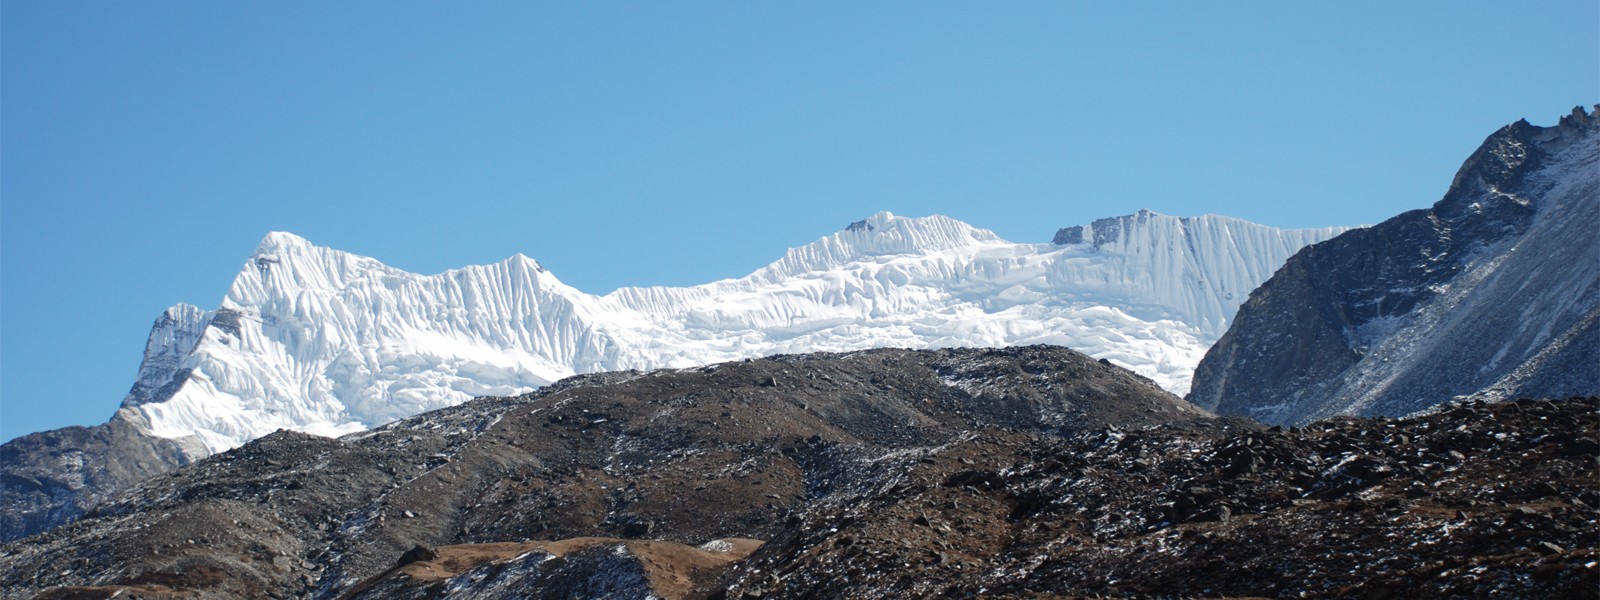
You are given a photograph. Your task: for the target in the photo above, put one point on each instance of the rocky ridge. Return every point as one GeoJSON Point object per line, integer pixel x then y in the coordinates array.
{"type": "Point", "coordinates": [1016, 473]}
{"type": "Point", "coordinates": [1493, 293]}
{"type": "Point", "coordinates": [56, 476]}
{"type": "Point", "coordinates": [688, 456]}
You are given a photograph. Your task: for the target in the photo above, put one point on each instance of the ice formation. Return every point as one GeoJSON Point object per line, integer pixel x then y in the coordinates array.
{"type": "Point", "coordinates": [326, 342]}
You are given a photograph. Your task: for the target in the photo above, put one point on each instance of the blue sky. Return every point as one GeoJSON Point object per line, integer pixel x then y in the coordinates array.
{"type": "Point", "coordinates": [146, 147]}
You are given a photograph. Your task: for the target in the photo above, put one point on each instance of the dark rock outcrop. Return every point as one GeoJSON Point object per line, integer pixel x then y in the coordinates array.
{"type": "Point", "coordinates": [53, 477]}
{"type": "Point", "coordinates": [417, 553]}
{"type": "Point", "coordinates": [1101, 231]}
{"type": "Point", "coordinates": [1494, 292]}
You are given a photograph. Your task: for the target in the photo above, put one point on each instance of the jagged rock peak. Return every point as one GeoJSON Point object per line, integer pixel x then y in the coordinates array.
{"type": "Point", "coordinates": [1579, 119]}
{"type": "Point", "coordinates": [862, 225]}
{"type": "Point", "coordinates": [1504, 156]}
{"type": "Point", "coordinates": [172, 337]}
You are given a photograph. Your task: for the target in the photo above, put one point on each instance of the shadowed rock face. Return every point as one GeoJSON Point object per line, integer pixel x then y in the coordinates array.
{"type": "Point", "coordinates": [1494, 292]}
{"type": "Point", "coordinates": [53, 477]}
{"type": "Point", "coordinates": [688, 456]}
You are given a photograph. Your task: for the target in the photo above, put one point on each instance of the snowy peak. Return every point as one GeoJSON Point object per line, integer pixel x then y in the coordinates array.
{"type": "Point", "coordinates": [284, 263]}
{"type": "Point", "coordinates": [287, 262]}
{"type": "Point", "coordinates": [328, 342]}
{"type": "Point", "coordinates": [882, 234]}
{"type": "Point", "coordinates": [525, 263]}
{"type": "Point", "coordinates": [278, 242]}
{"type": "Point", "coordinates": [885, 233]}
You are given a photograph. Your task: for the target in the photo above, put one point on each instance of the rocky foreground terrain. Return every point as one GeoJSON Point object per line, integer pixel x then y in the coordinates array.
{"type": "Point", "coordinates": [1483, 500]}
{"type": "Point", "coordinates": [1025, 472]}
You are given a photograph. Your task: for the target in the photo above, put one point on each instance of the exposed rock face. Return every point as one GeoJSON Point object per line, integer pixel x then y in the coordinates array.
{"type": "Point", "coordinates": [699, 455]}
{"type": "Point", "coordinates": [1494, 293]}
{"type": "Point", "coordinates": [172, 337]}
{"type": "Point", "coordinates": [53, 477]}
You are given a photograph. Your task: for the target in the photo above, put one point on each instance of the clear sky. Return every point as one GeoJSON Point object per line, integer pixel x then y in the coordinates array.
{"type": "Point", "coordinates": [146, 147]}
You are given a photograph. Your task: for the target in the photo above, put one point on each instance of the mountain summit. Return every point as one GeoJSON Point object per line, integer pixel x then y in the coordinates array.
{"type": "Point", "coordinates": [326, 342]}
{"type": "Point", "coordinates": [1493, 293]}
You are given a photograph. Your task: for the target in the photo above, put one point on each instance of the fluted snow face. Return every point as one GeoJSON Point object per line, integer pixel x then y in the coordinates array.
{"type": "Point", "coordinates": [327, 342]}
{"type": "Point", "coordinates": [1194, 269]}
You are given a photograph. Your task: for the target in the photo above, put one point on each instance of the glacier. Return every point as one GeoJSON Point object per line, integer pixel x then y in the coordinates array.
{"type": "Point", "coordinates": [326, 342]}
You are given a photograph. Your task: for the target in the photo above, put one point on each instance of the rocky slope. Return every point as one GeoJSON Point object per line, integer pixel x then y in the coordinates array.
{"type": "Point", "coordinates": [886, 473]}
{"type": "Point", "coordinates": [1476, 501]}
{"type": "Point", "coordinates": [1494, 292]}
{"type": "Point", "coordinates": [687, 456]}
{"type": "Point", "coordinates": [55, 476]}
{"type": "Point", "coordinates": [321, 341]}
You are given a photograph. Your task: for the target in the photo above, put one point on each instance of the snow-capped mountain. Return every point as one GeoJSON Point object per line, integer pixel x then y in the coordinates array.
{"type": "Point", "coordinates": [322, 341]}
{"type": "Point", "coordinates": [1492, 293]}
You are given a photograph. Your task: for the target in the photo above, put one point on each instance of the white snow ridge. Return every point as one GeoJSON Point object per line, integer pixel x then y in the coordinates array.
{"type": "Point", "coordinates": [327, 342]}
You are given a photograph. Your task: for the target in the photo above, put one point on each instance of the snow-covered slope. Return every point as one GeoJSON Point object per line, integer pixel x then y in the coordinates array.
{"type": "Point", "coordinates": [322, 341]}
{"type": "Point", "coordinates": [1494, 293]}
